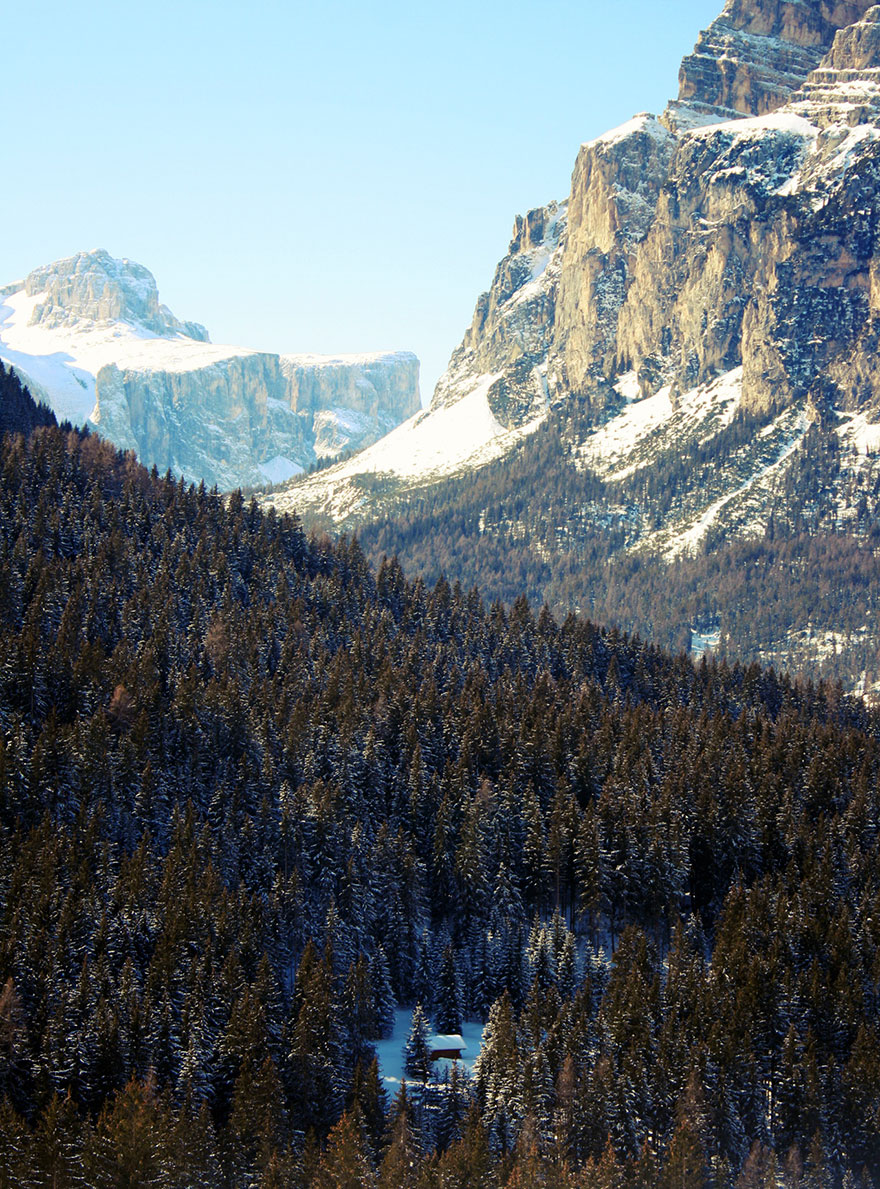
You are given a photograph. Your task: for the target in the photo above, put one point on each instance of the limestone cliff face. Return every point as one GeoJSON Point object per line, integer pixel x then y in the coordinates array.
{"type": "Point", "coordinates": [219, 422]}
{"type": "Point", "coordinates": [513, 324]}
{"type": "Point", "coordinates": [614, 192]}
{"type": "Point", "coordinates": [709, 251]}
{"type": "Point", "coordinates": [739, 229]}
{"type": "Point", "coordinates": [764, 243]}
{"type": "Point", "coordinates": [251, 417]}
{"type": "Point", "coordinates": [352, 400]}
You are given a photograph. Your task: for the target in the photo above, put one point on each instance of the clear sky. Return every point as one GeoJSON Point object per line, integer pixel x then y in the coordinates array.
{"type": "Point", "coordinates": [336, 176]}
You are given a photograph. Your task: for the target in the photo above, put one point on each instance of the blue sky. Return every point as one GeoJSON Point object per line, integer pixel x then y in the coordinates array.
{"type": "Point", "coordinates": [314, 177]}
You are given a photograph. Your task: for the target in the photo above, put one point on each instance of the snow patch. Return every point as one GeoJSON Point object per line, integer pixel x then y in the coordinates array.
{"type": "Point", "coordinates": [627, 386]}
{"type": "Point", "coordinates": [610, 449]}
{"type": "Point", "coordinates": [688, 540]}
{"type": "Point", "coordinates": [280, 469]}
{"type": "Point", "coordinates": [756, 127]}
{"type": "Point", "coordinates": [643, 122]}
{"type": "Point", "coordinates": [859, 434]}
{"type": "Point", "coordinates": [703, 642]}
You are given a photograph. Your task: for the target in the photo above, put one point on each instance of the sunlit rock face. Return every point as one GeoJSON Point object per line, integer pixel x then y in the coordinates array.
{"type": "Point", "coordinates": [735, 230]}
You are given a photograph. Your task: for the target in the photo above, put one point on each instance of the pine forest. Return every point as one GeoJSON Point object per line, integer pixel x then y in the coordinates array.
{"type": "Point", "coordinates": [256, 795]}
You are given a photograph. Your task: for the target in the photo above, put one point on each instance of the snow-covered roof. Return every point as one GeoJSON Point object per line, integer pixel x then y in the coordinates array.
{"type": "Point", "coordinates": [451, 1041]}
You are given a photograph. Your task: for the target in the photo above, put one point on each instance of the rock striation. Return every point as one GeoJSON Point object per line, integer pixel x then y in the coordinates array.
{"type": "Point", "coordinates": [755, 55]}
{"type": "Point", "coordinates": [89, 336]}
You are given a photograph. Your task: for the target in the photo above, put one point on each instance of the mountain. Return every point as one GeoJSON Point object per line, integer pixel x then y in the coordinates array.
{"type": "Point", "coordinates": [89, 336]}
{"type": "Point", "coordinates": [258, 799]}
{"type": "Point", "coordinates": [696, 329]}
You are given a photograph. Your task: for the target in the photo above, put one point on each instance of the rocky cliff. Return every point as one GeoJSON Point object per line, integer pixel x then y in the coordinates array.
{"type": "Point", "coordinates": [351, 400]}
{"type": "Point", "coordinates": [512, 327]}
{"type": "Point", "coordinates": [90, 337]}
{"type": "Point", "coordinates": [732, 230]}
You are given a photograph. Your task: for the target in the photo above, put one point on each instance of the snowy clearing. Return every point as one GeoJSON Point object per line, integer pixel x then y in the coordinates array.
{"type": "Point", "coordinates": [390, 1052]}
{"type": "Point", "coordinates": [280, 469]}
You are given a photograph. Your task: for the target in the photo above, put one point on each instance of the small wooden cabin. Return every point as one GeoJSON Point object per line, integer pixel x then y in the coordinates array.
{"type": "Point", "coordinates": [449, 1047]}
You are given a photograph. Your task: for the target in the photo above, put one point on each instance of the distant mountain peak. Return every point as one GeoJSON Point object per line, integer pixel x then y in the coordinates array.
{"type": "Point", "coordinates": [97, 287]}
{"type": "Point", "coordinates": [89, 336]}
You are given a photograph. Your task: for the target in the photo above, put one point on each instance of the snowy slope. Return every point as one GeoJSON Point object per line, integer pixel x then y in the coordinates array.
{"type": "Point", "coordinates": [437, 442]}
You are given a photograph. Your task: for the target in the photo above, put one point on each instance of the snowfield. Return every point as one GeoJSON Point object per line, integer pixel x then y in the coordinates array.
{"type": "Point", "coordinates": [646, 425]}
{"type": "Point", "coordinates": [62, 362]}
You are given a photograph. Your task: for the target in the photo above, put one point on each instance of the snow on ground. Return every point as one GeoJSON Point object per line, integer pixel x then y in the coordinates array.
{"type": "Point", "coordinates": [63, 361]}
{"type": "Point", "coordinates": [612, 450]}
{"type": "Point", "coordinates": [280, 469]}
{"type": "Point", "coordinates": [687, 540]}
{"type": "Point", "coordinates": [627, 386]}
{"type": "Point", "coordinates": [757, 127]}
{"type": "Point", "coordinates": [436, 442]}
{"type": "Point", "coordinates": [389, 358]}
{"type": "Point", "coordinates": [612, 443]}
{"type": "Point", "coordinates": [643, 122]}
{"type": "Point", "coordinates": [703, 642]}
{"type": "Point", "coordinates": [390, 1052]}
{"type": "Point", "coordinates": [859, 434]}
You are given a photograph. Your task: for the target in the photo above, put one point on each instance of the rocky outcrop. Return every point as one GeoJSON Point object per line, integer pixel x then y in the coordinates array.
{"type": "Point", "coordinates": [254, 418]}
{"type": "Point", "coordinates": [650, 262]}
{"type": "Point", "coordinates": [762, 251]}
{"type": "Point", "coordinates": [711, 248]}
{"type": "Point", "coordinates": [513, 324]}
{"type": "Point", "coordinates": [95, 287]}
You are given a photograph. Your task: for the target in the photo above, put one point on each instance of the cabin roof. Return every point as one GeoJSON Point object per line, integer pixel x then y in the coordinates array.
{"type": "Point", "coordinates": [446, 1041]}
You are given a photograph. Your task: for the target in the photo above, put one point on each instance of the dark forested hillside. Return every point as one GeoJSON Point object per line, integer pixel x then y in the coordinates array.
{"type": "Point", "coordinates": [802, 595]}
{"type": "Point", "coordinates": [253, 794]}
{"type": "Point", "coordinates": [19, 413]}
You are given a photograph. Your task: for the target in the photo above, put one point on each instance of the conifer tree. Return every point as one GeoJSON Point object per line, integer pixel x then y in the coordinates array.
{"type": "Point", "coordinates": [447, 999]}
{"type": "Point", "coordinates": [416, 1053]}
{"type": "Point", "coordinates": [345, 1163]}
